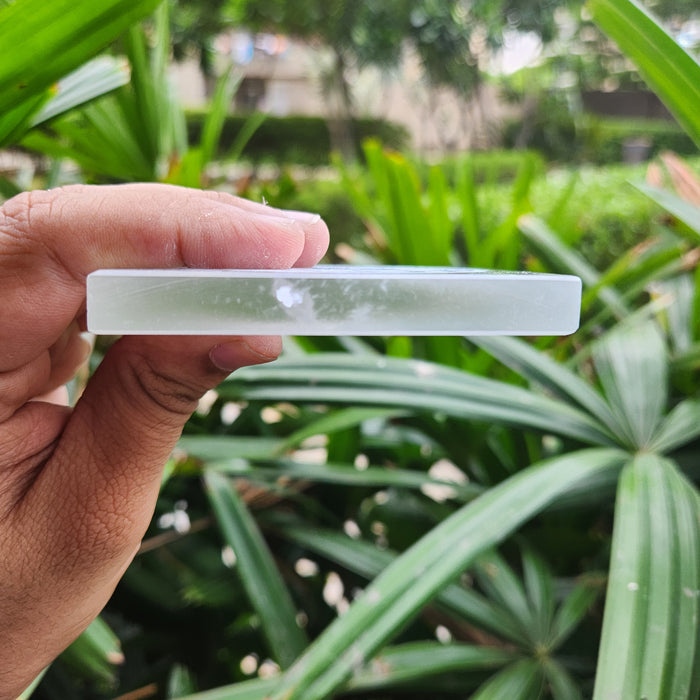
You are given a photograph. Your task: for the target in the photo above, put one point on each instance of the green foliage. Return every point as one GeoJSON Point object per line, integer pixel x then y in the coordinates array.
{"type": "Point", "coordinates": [674, 74]}
{"type": "Point", "coordinates": [371, 495]}
{"type": "Point", "coordinates": [139, 133]}
{"type": "Point", "coordinates": [49, 40]}
{"type": "Point", "coordinates": [604, 140]}
{"type": "Point", "coordinates": [292, 140]}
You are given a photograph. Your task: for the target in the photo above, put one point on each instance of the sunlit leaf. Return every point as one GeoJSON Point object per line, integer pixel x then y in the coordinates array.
{"type": "Point", "coordinates": [671, 72]}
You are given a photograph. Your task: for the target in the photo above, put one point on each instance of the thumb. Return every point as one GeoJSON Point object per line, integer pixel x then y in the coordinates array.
{"type": "Point", "coordinates": [98, 490]}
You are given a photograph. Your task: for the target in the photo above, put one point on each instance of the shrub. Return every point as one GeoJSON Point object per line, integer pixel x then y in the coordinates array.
{"type": "Point", "coordinates": [297, 139]}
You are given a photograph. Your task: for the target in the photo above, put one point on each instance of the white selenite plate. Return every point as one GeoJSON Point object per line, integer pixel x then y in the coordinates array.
{"type": "Point", "coordinates": [332, 300]}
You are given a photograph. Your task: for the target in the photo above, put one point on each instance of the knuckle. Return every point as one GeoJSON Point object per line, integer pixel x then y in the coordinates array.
{"type": "Point", "coordinates": [162, 391]}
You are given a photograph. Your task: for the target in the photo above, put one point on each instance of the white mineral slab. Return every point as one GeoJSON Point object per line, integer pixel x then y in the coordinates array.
{"type": "Point", "coordinates": [332, 300]}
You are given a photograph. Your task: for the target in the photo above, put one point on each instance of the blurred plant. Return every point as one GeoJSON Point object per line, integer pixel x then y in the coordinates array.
{"type": "Point", "coordinates": [44, 76]}
{"type": "Point", "coordinates": [139, 133]}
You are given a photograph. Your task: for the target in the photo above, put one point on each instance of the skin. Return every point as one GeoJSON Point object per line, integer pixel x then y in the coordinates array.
{"type": "Point", "coordinates": [78, 486]}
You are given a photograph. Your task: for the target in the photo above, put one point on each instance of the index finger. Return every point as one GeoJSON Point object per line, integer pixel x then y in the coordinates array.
{"type": "Point", "coordinates": [50, 240]}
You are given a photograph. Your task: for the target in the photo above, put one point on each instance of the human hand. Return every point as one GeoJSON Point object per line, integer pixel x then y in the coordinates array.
{"type": "Point", "coordinates": [78, 487]}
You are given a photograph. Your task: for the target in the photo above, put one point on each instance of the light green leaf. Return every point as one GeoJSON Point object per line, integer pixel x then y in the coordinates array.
{"type": "Point", "coordinates": [257, 570]}
{"type": "Point", "coordinates": [421, 572]}
{"type": "Point", "coordinates": [339, 420]}
{"type": "Point", "coordinates": [519, 681]}
{"type": "Point", "coordinates": [680, 427]}
{"type": "Point", "coordinates": [561, 684]}
{"type": "Point", "coordinates": [395, 666]}
{"type": "Point", "coordinates": [411, 385]}
{"type": "Point", "coordinates": [682, 209]}
{"type": "Point", "coordinates": [212, 448]}
{"type": "Point", "coordinates": [51, 39]}
{"type": "Point", "coordinates": [632, 365]}
{"type": "Point", "coordinates": [29, 691]}
{"type": "Point", "coordinates": [650, 629]}
{"type": "Point", "coordinates": [540, 368]}
{"type": "Point", "coordinates": [95, 653]}
{"type": "Point", "coordinates": [226, 88]}
{"type": "Point", "coordinates": [410, 662]}
{"type": "Point", "coordinates": [672, 73]}
{"type": "Point", "coordinates": [365, 559]}
{"type": "Point", "coordinates": [574, 608]}
{"type": "Point", "coordinates": [258, 689]}
{"type": "Point", "coordinates": [95, 78]}
{"type": "Point", "coordinates": [348, 474]}
{"type": "Point", "coordinates": [565, 259]}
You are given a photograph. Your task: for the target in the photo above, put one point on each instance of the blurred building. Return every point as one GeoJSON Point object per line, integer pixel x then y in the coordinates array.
{"type": "Point", "coordinates": [284, 77]}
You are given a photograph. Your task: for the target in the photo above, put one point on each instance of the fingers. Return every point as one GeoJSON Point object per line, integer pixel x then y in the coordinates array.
{"type": "Point", "coordinates": [49, 242]}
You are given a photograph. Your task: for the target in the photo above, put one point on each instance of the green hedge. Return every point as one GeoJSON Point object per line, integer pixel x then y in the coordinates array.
{"type": "Point", "coordinates": [560, 138]}
{"type": "Point", "coordinates": [603, 141]}
{"type": "Point", "coordinates": [301, 140]}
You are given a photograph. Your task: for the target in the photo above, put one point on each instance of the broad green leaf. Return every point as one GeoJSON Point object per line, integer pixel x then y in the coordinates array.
{"type": "Point", "coordinates": [416, 577]}
{"type": "Point", "coordinates": [339, 420]}
{"type": "Point", "coordinates": [684, 672]}
{"type": "Point", "coordinates": [682, 209]}
{"type": "Point", "coordinates": [561, 685]}
{"type": "Point", "coordinates": [51, 39]}
{"type": "Point", "coordinates": [211, 448]}
{"type": "Point", "coordinates": [502, 584]}
{"type": "Point", "coordinates": [632, 365]}
{"type": "Point", "coordinates": [395, 666]}
{"type": "Point", "coordinates": [539, 585]}
{"type": "Point", "coordinates": [411, 385]}
{"type": "Point", "coordinates": [365, 559]}
{"type": "Point", "coordinates": [565, 259]}
{"type": "Point", "coordinates": [672, 73]}
{"type": "Point", "coordinates": [679, 314]}
{"type": "Point", "coordinates": [416, 661]}
{"type": "Point", "coordinates": [347, 474]}
{"type": "Point", "coordinates": [95, 78]}
{"type": "Point", "coordinates": [574, 608]}
{"type": "Point", "coordinates": [259, 575]}
{"type": "Point", "coordinates": [540, 368]}
{"type": "Point", "coordinates": [680, 427]}
{"type": "Point", "coordinates": [519, 681]}
{"type": "Point", "coordinates": [650, 629]}
{"type": "Point", "coordinates": [96, 653]}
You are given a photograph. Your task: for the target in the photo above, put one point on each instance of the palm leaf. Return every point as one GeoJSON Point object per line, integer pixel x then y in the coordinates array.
{"type": "Point", "coordinates": [649, 646]}
{"type": "Point", "coordinates": [51, 39]}
{"type": "Point", "coordinates": [671, 72]}
{"type": "Point", "coordinates": [421, 572]}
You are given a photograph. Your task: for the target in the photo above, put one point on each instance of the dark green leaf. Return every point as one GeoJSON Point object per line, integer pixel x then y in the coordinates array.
{"type": "Point", "coordinates": [257, 570]}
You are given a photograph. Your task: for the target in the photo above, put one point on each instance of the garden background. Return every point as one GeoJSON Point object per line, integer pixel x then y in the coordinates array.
{"type": "Point", "coordinates": [409, 517]}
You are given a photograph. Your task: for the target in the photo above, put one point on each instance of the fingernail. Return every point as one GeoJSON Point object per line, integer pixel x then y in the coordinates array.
{"type": "Point", "coordinates": [237, 353]}
{"type": "Point", "coordinates": [303, 217]}
{"type": "Point", "coordinates": [287, 222]}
